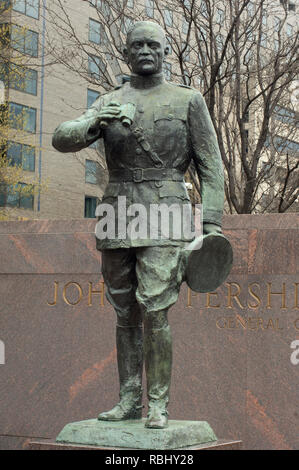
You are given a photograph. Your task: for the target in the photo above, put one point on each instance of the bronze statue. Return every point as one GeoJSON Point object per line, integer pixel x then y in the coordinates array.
{"type": "Point", "coordinates": [152, 129]}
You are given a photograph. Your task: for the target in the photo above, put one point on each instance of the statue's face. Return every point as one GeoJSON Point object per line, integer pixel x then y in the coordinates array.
{"type": "Point", "coordinates": [146, 50]}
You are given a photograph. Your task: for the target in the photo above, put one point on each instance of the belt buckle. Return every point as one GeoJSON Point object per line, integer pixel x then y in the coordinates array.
{"type": "Point", "coordinates": [138, 175]}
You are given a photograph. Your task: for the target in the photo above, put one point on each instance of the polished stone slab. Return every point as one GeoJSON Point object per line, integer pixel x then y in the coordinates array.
{"type": "Point", "coordinates": [232, 351]}
{"type": "Point", "coordinates": [133, 434]}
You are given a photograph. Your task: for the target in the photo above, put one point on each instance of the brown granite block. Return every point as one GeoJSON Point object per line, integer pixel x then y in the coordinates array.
{"type": "Point", "coordinates": [273, 251]}
{"type": "Point", "coordinates": [239, 242]}
{"type": "Point", "coordinates": [232, 349]}
{"type": "Point", "coordinates": [49, 253]}
{"type": "Point", "coordinates": [261, 221]}
{"type": "Point", "coordinates": [48, 226]}
{"type": "Point", "coordinates": [14, 443]}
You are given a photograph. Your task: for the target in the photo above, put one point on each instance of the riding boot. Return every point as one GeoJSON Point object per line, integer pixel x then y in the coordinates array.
{"type": "Point", "coordinates": [158, 362]}
{"type": "Point", "coordinates": [130, 363]}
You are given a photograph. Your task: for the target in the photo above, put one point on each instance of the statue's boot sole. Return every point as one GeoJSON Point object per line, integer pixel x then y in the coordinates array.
{"type": "Point", "coordinates": [134, 415]}
{"type": "Point", "coordinates": [157, 424]}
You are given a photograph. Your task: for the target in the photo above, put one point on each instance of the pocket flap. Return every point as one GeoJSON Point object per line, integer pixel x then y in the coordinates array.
{"type": "Point", "coordinates": [170, 113]}
{"type": "Point", "coordinates": [173, 189]}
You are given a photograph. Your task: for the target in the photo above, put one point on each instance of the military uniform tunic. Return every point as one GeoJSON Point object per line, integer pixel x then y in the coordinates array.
{"type": "Point", "coordinates": [175, 122]}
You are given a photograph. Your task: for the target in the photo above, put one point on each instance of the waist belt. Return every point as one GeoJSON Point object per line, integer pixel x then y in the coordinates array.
{"type": "Point", "coordinates": [145, 174]}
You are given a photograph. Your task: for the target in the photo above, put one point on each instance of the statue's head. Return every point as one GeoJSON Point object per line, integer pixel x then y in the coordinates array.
{"type": "Point", "coordinates": [146, 48]}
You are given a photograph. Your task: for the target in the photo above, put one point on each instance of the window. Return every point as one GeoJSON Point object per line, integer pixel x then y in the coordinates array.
{"type": "Point", "coordinates": [186, 54]}
{"type": "Point", "coordinates": [285, 115]}
{"type": "Point", "coordinates": [20, 154]}
{"type": "Point", "coordinates": [185, 26]}
{"type": "Point", "coordinates": [103, 6]}
{"type": "Point", "coordinates": [24, 40]}
{"type": "Point", "coordinates": [22, 117]}
{"type": "Point", "coordinates": [97, 3]}
{"type": "Point", "coordinates": [286, 145]}
{"type": "Point", "coordinates": [95, 31]}
{"type": "Point", "coordinates": [91, 97]}
{"type": "Point", "coordinates": [219, 42]}
{"type": "Point", "coordinates": [219, 16]}
{"type": "Point", "coordinates": [250, 35]}
{"type": "Point", "coordinates": [169, 44]}
{"type": "Point", "coordinates": [91, 170]}
{"type": "Point", "coordinates": [167, 70]}
{"type": "Point", "coordinates": [16, 196]}
{"type": "Point", "coordinates": [149, 8]}
{"type": "Point", "coordinates": [203, 8]}
{"type": "Point", "coordinates": [28, 7]}
{"type": "Point", "coordinates": [282, 145]}
{"type": "Point", "coordinates": [4, 4]}
{"type": "Point", "coordinates": [250, 9]}
{"type": "Point", "coordinates": [90, 207]}
{"type": "Point", "coordinates": [187, 4]}
{"type": "Point", "coordinates": [168, 17]}
{"type": "Point", "coordinates": [199, 58]}
{"type": "Point", "coordinates": [200, 83]}
{"type": "Point", "coordinates": [96, 66]}
{"type": "Point", "coordinates": [22, 79]}
{"type": "Point", "coordinates": [126, 24]}
{"type": "Point", "coordinates": [264, 18]}
{"type": "Point", "coordinates": [245, 113]}
{"type": "Point", "coordinates": [186, 80]}
{"type": "Point", "coordinates": [246, 141]}
{"type": "Point", "coordinates": [263, 39]}
{"type": "Point", "coordinates": [204, 34]}
{"type": "Point", "coordinates": [289, 30]}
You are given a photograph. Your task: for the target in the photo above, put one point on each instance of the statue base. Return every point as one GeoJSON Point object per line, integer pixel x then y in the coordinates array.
{"type": "Point", "coordinates": [49, 444]}
{"type": "Point", "coordinates": [133, 435]}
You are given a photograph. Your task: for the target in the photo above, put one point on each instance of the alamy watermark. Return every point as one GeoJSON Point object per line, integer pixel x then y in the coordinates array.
{"type": "Point", "coordinates": [153, 222]}
{"type": "Point", "coordinates": [2, 353]}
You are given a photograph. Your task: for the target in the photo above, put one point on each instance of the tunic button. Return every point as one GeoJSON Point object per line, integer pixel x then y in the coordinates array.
{"type": "Point", "coordinates": [170, 116]}
{"type": "Point", "coordinates": [138, 151]}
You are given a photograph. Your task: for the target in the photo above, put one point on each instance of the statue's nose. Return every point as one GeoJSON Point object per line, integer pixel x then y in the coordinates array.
{"type": "Point", "coordinates": [145, 49]}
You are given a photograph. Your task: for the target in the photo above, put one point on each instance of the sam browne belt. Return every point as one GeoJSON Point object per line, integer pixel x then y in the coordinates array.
{"type": "Point", "coordinates": [145, 174]}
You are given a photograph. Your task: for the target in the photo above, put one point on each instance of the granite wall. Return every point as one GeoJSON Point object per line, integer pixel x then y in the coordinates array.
{"type": "Point", "coordinates": [236, 362]}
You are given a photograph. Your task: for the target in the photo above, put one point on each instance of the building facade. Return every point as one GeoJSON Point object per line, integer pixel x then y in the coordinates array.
{"type": "Point", "coordinates": [51, 92]}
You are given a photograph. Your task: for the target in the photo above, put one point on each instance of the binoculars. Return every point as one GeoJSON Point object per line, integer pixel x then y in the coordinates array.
{"type": "Point", "coordinates": [126, 116]}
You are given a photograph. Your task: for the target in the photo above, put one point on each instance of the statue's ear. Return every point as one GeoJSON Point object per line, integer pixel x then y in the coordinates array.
{"type": "Point", "coordinates": [125, 54]}
{"type": "Point", "coordinates": [166, 50]}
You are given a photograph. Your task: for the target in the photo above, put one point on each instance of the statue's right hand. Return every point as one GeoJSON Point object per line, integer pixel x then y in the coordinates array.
{"type": "Point", "coordinates": [108, 113]}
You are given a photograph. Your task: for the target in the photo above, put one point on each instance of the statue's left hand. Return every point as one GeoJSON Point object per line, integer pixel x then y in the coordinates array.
{"type": "Point", "coordinates": [211, 228]}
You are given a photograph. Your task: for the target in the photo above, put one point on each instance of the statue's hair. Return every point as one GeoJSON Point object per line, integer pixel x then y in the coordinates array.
{"type": "Point", "coordinates": [144, 23]}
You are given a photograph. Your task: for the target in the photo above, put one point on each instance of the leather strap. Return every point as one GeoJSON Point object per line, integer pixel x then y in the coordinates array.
{"type": "Point", "coordinates": [138, 132]}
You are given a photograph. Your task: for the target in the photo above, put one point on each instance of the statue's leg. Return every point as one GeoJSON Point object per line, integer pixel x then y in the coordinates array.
{"type": "Point", "coordinates": [158, 364]}
{"type": "Point", "coordinates": [118, 267]}
{"type": "Point", "coordinates": [159, 273]}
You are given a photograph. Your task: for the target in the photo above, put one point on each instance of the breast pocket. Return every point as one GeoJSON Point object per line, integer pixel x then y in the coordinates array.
{"type": "Point", "coordinates": [169, 121]}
